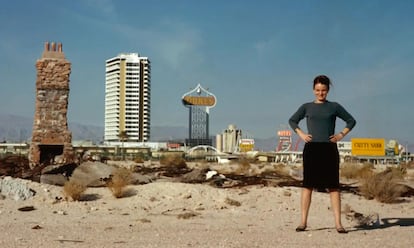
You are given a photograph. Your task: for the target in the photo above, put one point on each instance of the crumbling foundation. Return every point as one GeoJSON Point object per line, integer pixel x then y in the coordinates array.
{"type": "Point", "coordinates": [51, 138]}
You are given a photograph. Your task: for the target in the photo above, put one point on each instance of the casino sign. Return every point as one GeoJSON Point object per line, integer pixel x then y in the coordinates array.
{"type": "Point", "coordinates": [199, 97]}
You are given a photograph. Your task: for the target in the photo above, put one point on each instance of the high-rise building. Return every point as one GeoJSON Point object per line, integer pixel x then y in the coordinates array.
{"type": "Point", "coordinates": [230, 140]}
{"type": "Point", "coordinates": [127, 98]}
{"type": "Point", "coordinates": [199, 101]}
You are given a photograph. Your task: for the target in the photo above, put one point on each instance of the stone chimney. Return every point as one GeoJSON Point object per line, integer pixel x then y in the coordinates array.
{"type": "Point", "coordinates": [51, 137]}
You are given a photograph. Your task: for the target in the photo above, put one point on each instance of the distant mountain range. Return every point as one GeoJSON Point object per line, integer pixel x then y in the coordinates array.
{"type": "Point", "coordinates": [15, 128]}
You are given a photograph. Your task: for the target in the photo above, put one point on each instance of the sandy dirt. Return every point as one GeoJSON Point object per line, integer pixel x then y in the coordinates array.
{"type": "Point", "coordinates": [173, 214]}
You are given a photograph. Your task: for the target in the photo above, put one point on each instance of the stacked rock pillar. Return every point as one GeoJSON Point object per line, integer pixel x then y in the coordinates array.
{"type": "Point", "coordinates": [51, 137]}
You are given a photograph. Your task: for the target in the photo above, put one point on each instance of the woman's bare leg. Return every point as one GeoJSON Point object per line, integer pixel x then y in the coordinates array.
{"type": "Point", "coordinates": [336, 206]}
{"type": "Point", "coordinates": [305, 205]}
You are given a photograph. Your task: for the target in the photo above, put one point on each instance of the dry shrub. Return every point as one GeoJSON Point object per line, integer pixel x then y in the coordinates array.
{"type": "Point", "coordinates": [356, 171]}
{"type": "Point", "coordinates": [384, 186]}
{"type": "Point", "coordinates": [398, 172]}
{"type": "Point", "coordinates": [173, 161]}
{"type": "Point", "coordinates": [249, 159]}
{"type": "Point", "coordinates": [281, 169]}
{"type": "Point", "coordinates": [138, 160]}
{"type": "Point", "coordinates": [268, 171]}
{"type": "Point", "coordinates": [244, 167]}
{"type": "Point", "coordinates": [120, 178]}
{"type": "Point", "coordinates": [409, 165]}
{"type": "Point", "coordinates": [73, 189]}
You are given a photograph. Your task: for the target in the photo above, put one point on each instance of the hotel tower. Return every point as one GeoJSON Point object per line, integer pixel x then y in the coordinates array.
{"type": "Point", "coordinates": [127, 98]}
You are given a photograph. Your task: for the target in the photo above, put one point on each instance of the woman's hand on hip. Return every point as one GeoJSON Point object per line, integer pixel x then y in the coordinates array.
{"type": "Point", "coordinates": [305, 137]}
{"type": "Point", "coordinates": [336, 137]}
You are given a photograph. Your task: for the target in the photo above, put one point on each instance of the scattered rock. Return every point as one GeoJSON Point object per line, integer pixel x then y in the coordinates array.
{"type": "Point", "coordinates": [36, 227]}
{"type": "Point", "coordinates": [210, 174]}
{"type": "Point", "coordinates": [26, 208]}
{"type": "Point", "coordinates": [195, 176]}
{"type": "Point", "coordinates": [145, 220]}
{"type": "Point", "coordinates": [187, 215]}
{"type": "Point", "coordinates": [64, 169]}
{"type": "Point", "coordinates": [181, 213]}
{"type": "Point", "coordinates": [232, 202]}
{"type": "Point", "coordinates": [138, 178]}
{"type": "Point", "coordinates": [91, 174]}
{"type": "Point", "coordinates": [60, 212]}
{"type": "Point", "coordinates": [53, 179]}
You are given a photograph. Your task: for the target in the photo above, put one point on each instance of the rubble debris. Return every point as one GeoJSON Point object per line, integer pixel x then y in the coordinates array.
{"type": "Point", "coordinates": [16, 166]}
{"type": "Point", "coordinates": [17, 189]}
{"type": "Point", "coordinates": [371, 220]}
{"type": "Point", "coordinates": [95, 173]}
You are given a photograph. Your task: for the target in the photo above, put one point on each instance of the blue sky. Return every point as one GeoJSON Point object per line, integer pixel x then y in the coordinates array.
{"type": "Point", "coordinates": [258, 57]}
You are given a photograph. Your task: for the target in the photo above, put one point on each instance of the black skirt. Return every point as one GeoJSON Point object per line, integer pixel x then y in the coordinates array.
{"type": "Point", "coordinates": [321, 165]}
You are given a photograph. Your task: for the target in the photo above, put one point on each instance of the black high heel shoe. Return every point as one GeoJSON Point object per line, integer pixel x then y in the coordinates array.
{"type": "Point", "coordinates": [301, 228]}
{"type": "Point", "coordinates": [341, 230]}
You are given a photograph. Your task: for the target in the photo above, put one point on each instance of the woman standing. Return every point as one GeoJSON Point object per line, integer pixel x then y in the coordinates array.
{"type": "Point", "coordinates": [320, 153]}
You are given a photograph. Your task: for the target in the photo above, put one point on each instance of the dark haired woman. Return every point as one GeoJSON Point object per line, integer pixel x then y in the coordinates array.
{"type": "Point", "coordinates": [320, 153]}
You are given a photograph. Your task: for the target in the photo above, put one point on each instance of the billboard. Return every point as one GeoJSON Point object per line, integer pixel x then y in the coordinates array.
{"type": "Point", "coordinates": [368, 147]}
{"type": "Point", "coordinates": [246, 145]}
{"type": "Point", "coordinates": [284, 133]}
{"type": "Point", "coordinates": [392, 148]}
{"type": "Point", "coordinates": [199, 100]}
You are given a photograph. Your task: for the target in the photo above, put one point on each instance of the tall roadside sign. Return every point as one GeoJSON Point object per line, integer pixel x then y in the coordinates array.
{"type": "Point", "coordinates": [368, 147]}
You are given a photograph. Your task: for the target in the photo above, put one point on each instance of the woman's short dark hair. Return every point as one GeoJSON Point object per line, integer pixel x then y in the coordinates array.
{"type": "Point", "coordinates": [322, 79]}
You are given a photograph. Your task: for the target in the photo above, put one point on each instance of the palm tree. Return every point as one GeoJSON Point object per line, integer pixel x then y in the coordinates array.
{"type": "Point", "coordinates": [123, 136]}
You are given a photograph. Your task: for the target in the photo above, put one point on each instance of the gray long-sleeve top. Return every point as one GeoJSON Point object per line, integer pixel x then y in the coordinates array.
{"type": "Point", "coordinates": [321, 118]}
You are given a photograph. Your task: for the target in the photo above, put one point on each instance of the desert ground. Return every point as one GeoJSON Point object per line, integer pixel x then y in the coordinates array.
{"type": "Point", "coordinates": [170, 213]}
